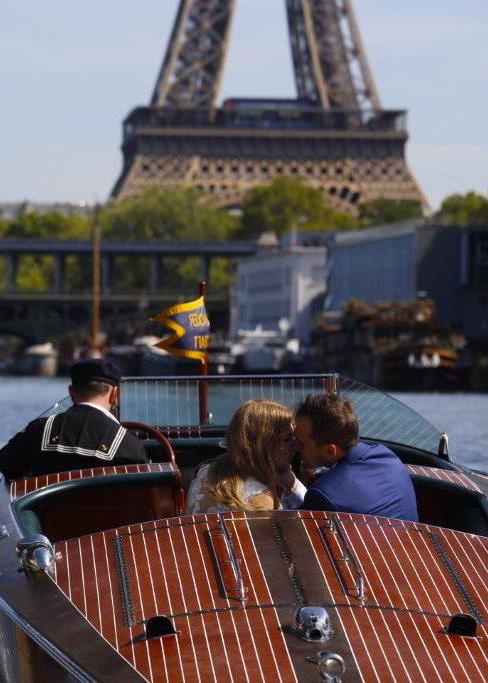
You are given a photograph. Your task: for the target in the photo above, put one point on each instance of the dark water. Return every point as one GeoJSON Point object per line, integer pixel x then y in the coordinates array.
{"type": "Point", "coordinates": [463, 416]}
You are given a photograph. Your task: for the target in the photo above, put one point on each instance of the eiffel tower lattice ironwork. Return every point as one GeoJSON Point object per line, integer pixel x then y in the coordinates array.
{"type": "Point", "coordinates": [335, 134]}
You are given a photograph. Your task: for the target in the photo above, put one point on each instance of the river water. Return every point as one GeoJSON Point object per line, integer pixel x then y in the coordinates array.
{"type": "Point", "coordinates": [463, 416]}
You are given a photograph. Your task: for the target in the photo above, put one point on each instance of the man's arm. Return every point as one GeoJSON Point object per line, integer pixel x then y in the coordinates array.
{"type": "Point", "coordinates": [16, 455]}
{"type": "Point", "coordinates": [315, 500]}
{"type": "Point", "coordinates": [293, 497]}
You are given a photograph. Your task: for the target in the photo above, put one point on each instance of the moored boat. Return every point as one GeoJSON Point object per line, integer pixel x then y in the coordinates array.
{"type": "Point", "coordinates": [262, 351]}
{"type": "Point", "coordinates": [397, 346]}
{"type": "Point", "coordinates": [116, 585]}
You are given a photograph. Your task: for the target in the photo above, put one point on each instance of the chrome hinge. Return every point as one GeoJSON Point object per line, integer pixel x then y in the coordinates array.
{"type": "Point", "coordinates": [3, 531]}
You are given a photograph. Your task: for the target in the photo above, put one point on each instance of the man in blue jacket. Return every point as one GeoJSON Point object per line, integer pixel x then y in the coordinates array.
{"type": "Point", "coordinates": [363, 478]}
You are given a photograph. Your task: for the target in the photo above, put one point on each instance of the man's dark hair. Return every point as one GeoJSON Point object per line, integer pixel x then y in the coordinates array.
{"type": "Point", "coordinates": [87, 390]}
{"type": "Point", "coordinates": [332, 418]}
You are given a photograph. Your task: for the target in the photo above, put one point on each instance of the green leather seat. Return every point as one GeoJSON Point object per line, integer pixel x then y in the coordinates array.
{"type": "Point", "coordinates": [82, 506]}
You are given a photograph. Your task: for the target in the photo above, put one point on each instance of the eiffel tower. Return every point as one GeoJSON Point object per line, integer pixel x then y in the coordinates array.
{"type": "Point", "coordinates": [335, 134]}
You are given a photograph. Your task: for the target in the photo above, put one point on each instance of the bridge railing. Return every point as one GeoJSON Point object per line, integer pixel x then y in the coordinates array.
{"type": "Point", "coordinates": [156, 274]}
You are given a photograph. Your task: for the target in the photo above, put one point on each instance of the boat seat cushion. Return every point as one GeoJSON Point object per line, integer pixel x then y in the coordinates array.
{"type": "Point", "coordinates": [450, 506]}
{"type": "Point", "coordinates": [84, 506]}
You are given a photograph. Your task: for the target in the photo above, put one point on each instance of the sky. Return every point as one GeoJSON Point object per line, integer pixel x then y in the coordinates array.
{"type": "Point", "coordinates": [71, 70]}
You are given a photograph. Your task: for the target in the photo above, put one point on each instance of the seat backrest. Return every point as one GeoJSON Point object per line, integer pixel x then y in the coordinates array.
{"type": "Point", "coordinates": [84, 506]}
{"type": "Point", "coordinates": [450, 506]}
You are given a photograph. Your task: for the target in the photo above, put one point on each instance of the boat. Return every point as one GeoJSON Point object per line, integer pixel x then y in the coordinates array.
{"type": "Point", "coordinates": [36, 360]}
{"type": "Point", "coordinates": [395, 345]}
{"type": "Point", "coordinates": [143, 358]}
{"type": "Point", "coordinates": [261, 351]}
{"type": "Point", "coordinates": [102, 578]}
{"type": "Point", "coordinates": [221, 360]}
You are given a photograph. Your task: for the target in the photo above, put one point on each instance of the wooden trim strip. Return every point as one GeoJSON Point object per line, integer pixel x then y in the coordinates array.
{"type": "Point", "coordinates": [21, 487]}
{"type": "Point", "coordinates": [445, 475]}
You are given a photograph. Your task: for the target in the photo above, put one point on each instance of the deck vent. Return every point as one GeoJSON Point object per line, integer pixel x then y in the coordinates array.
{"type": "Point", "coordinates": [312, 623]}
{"type": "Point", "coordinates": [160, 626]}
{"type": "Point", "coordinates": [462, 625]}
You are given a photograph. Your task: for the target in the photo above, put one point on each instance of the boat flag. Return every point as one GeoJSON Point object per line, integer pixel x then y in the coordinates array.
{"type": "Point", "coordinates": [190, 328]}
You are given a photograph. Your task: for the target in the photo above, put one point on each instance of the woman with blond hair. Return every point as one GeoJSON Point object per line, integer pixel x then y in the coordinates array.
{"type": "Point", "coordinates": [260, 443]}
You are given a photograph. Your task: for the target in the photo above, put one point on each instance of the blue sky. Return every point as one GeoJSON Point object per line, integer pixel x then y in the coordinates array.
{"type": "Point", "coordinates": [70, 70]}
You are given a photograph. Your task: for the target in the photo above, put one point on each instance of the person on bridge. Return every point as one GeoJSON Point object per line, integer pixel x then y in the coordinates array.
{"type": "Point", "coordinates": [86, 435]}
{"type": "Point", "coordinates": [363, 478]}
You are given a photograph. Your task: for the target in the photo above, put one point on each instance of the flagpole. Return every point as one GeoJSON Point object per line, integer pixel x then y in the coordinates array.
{"type": "Point", "coordinates": [202, 386]}
{"type": "Point", "coordinates": [95, 321]}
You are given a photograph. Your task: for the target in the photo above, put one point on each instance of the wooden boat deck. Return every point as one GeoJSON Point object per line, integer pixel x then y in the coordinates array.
{"type": "Point", "coordinates": [415, 576]}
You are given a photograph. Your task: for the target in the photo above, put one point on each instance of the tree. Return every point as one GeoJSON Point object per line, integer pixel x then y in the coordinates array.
{"type": "Point", "coordinates": [35, 272]}
{"type": "Point", "coordinates": [167, 214]}
{"type": "Point", "coordinates": [50, 225]}
{"type": "Point", "coordinates": [468, 209]}
{"type": "Point", "coordinates": [288, 203]}
{"type": "Point", "coordinates": [383, 210]}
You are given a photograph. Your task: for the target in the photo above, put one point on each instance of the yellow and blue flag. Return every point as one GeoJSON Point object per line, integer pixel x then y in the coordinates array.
{"type": "Point", "coordinates": [190, 329]}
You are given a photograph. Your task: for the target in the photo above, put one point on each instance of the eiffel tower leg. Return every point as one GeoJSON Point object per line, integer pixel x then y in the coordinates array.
{"type": "Point", "coordinates": [192, 68]}
{"type": "Point", "coordinates": [335, 136]}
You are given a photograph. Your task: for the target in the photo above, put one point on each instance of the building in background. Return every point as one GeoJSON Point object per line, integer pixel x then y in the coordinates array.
{"type": "Point", "coordinates": [12, 210]}
{"type": "Point", "coordinates": [448, 264]}
{"type": "Point", "coordinates": [280, 287]}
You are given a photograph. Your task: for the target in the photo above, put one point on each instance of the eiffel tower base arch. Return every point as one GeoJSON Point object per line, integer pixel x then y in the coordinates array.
{"type": "Point", "coordinates": [350, 169]}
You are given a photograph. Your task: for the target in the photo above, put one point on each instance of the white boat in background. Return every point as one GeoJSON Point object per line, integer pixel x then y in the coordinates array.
{"type": "Point", "coordinates": [37, 360]}
{"type": "Point", "coordinates": [143, 359]}
{"type": "Point", "coordinates": [266, 351]}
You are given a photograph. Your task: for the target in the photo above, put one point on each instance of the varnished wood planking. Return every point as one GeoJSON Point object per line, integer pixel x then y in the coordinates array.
{"type": "Point", "coordinates": [21, 487]}
{"type": "Point", "coordinates": [445, 475]}
{"type": "Point", "coordinates": [175, 574]}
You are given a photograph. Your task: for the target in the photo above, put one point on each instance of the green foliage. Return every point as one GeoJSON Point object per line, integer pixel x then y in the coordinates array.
{"type": "Point", "coordinates": [78, 274]}
{"type": "Point", "coordinates": [167, 214]}
{"type": "Point", "coordinates": [220, 274]}
{"type": "Point", "coordinates": [288, 203]}
{"type": "Point", "coordinates": [49, 225]}
{"type": "Point", "coordinates": [130, 273]}
{"type": "Point", "coordinates": [383, 210]}
{"type": "Point", "coordinates": [468, 209]}
{"type": "Point", "coordinates": [34, 273]}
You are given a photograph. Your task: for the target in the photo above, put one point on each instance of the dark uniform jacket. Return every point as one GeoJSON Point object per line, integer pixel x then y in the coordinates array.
{"type": "Point", "coordinates": [368, 480]}
{"type": "Point", "coordinates": [80, 438]}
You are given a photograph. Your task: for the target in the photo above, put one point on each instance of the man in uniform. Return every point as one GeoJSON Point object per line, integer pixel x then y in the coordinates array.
{"type": "Point", "coordinates": [86, 435]}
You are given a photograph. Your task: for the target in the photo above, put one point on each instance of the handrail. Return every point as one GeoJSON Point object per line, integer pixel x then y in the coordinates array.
{"type": "Point", "coordinates": [334, 526]}
{"type": "Point", "coordinates": [222, 534]}
{"type": "Point", "coordinates": [233, 558]}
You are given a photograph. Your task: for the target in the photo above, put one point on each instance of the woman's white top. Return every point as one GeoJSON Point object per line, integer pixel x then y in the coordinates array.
{"type": "Point", "coordinates": [199, 500]}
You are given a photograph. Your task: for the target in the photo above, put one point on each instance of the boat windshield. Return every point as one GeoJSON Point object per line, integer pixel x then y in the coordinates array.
{"type": "Point", "coordinates": [174, 402]}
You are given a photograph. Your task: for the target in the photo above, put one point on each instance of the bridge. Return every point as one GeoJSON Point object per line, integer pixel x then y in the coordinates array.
{"type": "Point", "coordinates": [12, 250]}
{"type": "Point", "coordinates": [38, 315]}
